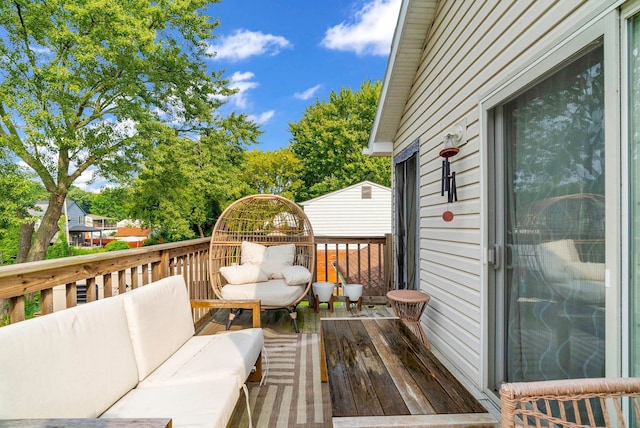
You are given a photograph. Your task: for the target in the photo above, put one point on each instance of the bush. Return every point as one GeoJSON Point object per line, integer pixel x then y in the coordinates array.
{"type": "Point", "coordinates": [116, 246]}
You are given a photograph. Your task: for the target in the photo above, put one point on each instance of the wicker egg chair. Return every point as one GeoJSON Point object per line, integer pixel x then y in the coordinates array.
{"type": "Point", "coordinates": [268, 220]}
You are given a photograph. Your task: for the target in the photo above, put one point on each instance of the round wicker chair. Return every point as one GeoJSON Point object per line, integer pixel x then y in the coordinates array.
{"type": "Point", "coordinates": [268, 220]}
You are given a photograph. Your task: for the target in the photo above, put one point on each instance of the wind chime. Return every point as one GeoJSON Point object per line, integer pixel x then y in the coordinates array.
{"type": "Point", "coordinates": [448, 185]}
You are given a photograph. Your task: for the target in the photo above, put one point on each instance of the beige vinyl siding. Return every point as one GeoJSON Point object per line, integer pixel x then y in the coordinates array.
{"type": "Point", "coordinates": [473, 47]}
{"type": "Point", "coordinates": [345, 213]}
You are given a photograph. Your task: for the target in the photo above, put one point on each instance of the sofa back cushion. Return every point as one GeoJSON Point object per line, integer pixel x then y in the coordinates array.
{"type": "Point", "coordinates": [160, 321]}
{"type": "Point", "coordinates": [74, 363]}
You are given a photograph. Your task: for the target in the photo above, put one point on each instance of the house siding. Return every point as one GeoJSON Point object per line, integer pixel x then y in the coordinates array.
{"type": "Point", "coordinates": [472, 49]}
{"type": "Point", "coordinates": [345, 213]}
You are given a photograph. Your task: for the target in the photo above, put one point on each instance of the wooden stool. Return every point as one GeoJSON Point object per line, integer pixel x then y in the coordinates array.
{"type": "Point", "coordinates": [408, 305]}
{"type": "Point", "coordinates": [323, 293]}
{"type": "Point", "coordinates": [317, 304]}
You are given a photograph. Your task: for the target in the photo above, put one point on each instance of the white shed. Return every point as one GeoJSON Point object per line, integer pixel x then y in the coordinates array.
{"type": "Point", "coordinates": [363, 209]}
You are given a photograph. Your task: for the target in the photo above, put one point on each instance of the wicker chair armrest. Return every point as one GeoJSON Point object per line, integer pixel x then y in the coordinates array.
{"type": "Point", "coordinates": [520, 399]}
{"type": "Point", "coordinates": [254, 305]}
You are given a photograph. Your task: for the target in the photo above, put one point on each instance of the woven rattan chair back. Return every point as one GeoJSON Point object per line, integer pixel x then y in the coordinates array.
{"type": "Point", "coordinates": [599, 402]}
{"type": "Point", "coordinates": [263, 219]}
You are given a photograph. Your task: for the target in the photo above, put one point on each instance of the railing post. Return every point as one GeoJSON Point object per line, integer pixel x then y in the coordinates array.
{"type": "Point", "coordinates": [161, 269]}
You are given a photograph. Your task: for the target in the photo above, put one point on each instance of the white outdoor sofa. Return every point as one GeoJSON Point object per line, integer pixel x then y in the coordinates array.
{"type": "Point", "coordinates": [130, 356]}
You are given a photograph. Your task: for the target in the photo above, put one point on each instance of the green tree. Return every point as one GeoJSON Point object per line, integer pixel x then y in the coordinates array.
{"type": "Point", "coordinates": [329, 140]}
{"type": "Point", "coordinates": [18, 195]}
{"type": "Point", "coordinates": [184, 186]}
{"type": "Point", "coordinates": [276, 172]}
{"type": "Point", "coordinates": [83, 198]}
{"type": "Point", "coordinates": [112, 202]}
{"type": "Point", "coordinates": [92, 85]}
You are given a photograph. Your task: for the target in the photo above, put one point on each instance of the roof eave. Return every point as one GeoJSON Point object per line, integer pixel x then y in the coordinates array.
{"type": "Point", "coordinates": [415, 18]}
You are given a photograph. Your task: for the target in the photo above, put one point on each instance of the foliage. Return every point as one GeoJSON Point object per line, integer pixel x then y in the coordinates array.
{"type": "Point", "coordinates": [184, 185]}
{"type": "Point", "coordinates": [92, 85]}
{"type": "Point", "coordinates": [275, 172]}
{"type": "Point", "coordinates": [112, 202]}
{"type": "Point", "coordinates": [60, 248]}
{"type": "Point", "coordinates": [18, 195]}
{"type": "Point", "coordinates": [329, 140]}
{"type": "Point", "coordinates": [116, 246]}
{"type": "Point", "coordinates": [83, 198]}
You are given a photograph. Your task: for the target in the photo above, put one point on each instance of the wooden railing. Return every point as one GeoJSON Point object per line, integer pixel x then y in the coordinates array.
{"type": "Point", "coordinates": [104, 275]}
{"type": "Point", "coordinates": [362, 260]}
{"type": "Point", "coordinates": [365, 261]}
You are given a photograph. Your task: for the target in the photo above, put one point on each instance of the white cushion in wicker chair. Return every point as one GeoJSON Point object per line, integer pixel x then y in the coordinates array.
{"type": "Point", "coordinates": [296, 275]}
{"type": "Point", "coordinates": [274, 292]}
{"type": "Point", "coordinates": [271, 260]}
{"type": "Point", "coordinates": [243, 274]}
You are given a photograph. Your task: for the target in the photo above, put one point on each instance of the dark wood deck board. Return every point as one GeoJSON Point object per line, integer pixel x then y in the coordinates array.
{"type": "Point", "coordinates": [381, 395]}
{"type": "Point", "coordinates": [384, 354]}
{"type": "Point", "coordinates": [342, 397]}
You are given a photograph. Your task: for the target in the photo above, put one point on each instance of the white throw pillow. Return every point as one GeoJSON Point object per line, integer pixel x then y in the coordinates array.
{"type": "Point", "coordinates": [251, 253]}
{"type": "Point", "coordinates": [277, 258]}
{"type": "Point", "coordinates": [296, 275]}
{"type": "Point", "coordinates": [243, 274]}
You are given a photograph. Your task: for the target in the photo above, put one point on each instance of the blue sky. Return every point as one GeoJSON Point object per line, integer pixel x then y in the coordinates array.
{"type": "Point", "coordinates": [283, 55]}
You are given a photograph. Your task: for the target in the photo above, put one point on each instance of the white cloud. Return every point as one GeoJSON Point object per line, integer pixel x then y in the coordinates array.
{"type": "Point", "coordinates": [370, 32]}
{"type": "Point", "coordinates": [262, 118]}
{"type": "Point", "coordinates": [243, 44]}
{"type": "Point", "coordinates": [243, 83]}
{"type": "Point", "coordinates": [305, 95]}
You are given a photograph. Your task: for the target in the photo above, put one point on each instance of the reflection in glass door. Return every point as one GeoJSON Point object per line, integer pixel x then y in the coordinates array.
{"type": "Point", "coordinates": [553, 220]}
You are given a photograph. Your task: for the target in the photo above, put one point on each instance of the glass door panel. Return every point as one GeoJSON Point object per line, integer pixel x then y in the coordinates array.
{"type": "Point", "coordinates": [553, 225]}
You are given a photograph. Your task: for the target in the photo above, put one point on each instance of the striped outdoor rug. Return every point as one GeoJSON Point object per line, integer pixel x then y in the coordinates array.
{"type": "Point", "coordinates": [292, 394]}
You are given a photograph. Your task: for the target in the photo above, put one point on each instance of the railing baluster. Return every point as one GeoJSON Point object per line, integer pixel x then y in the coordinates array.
{"type": "Point", "coordinates": [107, 285]}
{"type": "Point", "coordinates": [16, 309]}
{"type": "Point", "coordinates": [91, 290]}
{"type": "Point", "coordinates": [72, 294]}
{"type": "Point", "coordinates": [122, 281]}
{"type": "Point", "coordinates": [134, 277]}
{"type": "Point", "coordinates": [46, 301]}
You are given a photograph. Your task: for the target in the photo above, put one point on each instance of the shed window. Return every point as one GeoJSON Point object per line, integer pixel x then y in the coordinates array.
{"type": "Point", "coordinates": [366, 192]}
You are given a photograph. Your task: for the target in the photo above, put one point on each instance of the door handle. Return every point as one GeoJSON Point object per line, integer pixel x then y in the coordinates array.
{"type": "Point", "coordinates": [493, 256]}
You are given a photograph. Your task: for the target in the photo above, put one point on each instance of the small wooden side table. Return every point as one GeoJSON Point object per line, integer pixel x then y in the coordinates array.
{"type": "Point", "coordinates": [408, 305]}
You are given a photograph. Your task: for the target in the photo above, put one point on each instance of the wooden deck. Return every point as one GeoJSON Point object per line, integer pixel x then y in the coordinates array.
{"type": "Point", "coordinates": [278, 322]}
{"type": "Point", "coordinates": [380, 372]}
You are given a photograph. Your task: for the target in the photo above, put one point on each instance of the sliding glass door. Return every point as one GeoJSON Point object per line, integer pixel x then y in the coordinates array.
{"type": "Point", "coordinates": [549, 289]}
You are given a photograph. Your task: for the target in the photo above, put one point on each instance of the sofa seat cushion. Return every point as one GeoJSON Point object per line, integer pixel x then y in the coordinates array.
{"type": "Point", "coordinates": [160, 321]}
{"type": "Point", "coordinates": [202, 404]}
{"type": "Point", "coordinates": [274, 292]}
{"type": "Point", "coordinates": [229, 354]}
{"type": "Point", "coordinates": [73, 363]}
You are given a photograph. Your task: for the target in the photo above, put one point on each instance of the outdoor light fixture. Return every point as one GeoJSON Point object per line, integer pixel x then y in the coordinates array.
{"type": "Point", "coordinates": [450, 141]}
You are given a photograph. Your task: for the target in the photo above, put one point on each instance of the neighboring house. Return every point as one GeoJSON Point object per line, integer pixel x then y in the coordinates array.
{"type": "Point", "coordinates": [134, 236]}
{"type": "Point", "coordinates": [541, 99]}
{"type": "Point", "coordinates": [359, 210]}
{"type": "Point", "coordinates": [75, 214]}
{"type": "Point", "coordinates": [76, 221]}
{"type": "Point", "coordinates": [363, 209]}
{"type": "Point", "coordinates": [107, 224]}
